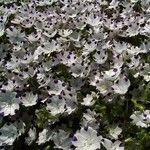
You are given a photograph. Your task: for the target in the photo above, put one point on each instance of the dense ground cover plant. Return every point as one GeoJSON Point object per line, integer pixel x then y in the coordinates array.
{"type": "Point", "coordinates": [74, 74]}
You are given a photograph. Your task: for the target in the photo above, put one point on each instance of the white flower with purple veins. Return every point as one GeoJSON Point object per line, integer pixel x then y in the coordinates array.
{"type": "Point", "coordinates": [113, 4]}
{"type": "Point", "coordinates": [56, 105]}
{"type": "Point", "coordinates": [27, 59]}
{"type": "Point", "coordinates": [61, 140]}
{"type": "Point", "coordinates": [3, 20]}
{"type": "Point", "coordinates": [70, 96]}
{"type": "Point", "coordinates": [7, 1]}
{"type": "Point", "coordinates": [71, 11]}
{"type": "Point", "coordinates": [109, 145]}
{"type": "Point", "coordinates": [100, 56]}
{"type": "Point", "coordinates": [27, 22]}
{"type": "Point", "coordinates": [3, 50]}
{"type": "Point", "coordinates": [86, 139]}
{"type": "Point", "coordinates": [145, 46]}
{"type": "Point", "coordinates": [134, 1]}
{"type": "Point", "coordinates": [103, 85]}
{"type": "Point", "coordinates": [29, 99]}
{"type": "Point", "coordinates": [145, 72]}
{"type": "Point", "coordinates": [47, 48]}
{"type": "Point", "coordinates": [135, 61]}
{"type": "Point", "coordinates": [115, 132]}
{"type": "Point", "coordinates": [88, 100]}
{"type": "Point", "coordinates": [80, 24]}
{"type": "Point", "coordinates": [118, 60]}
{"type": "Point", "coordinates": [119, 47]}
{"type": "Point", "coordinates": [9, 85]}
{"type": "Point", "coordinates": [8, 103]}
{"type": "Point", "coordinates": [44, 136]}
{"type": "Point", "coordinates": [13, 64]}
{"type": "Point", "coordinates": [89, 47]}
{"type": "Point", "coordinates": [80, 68]}
{"type": "Point", "coordinates": [42, 79]}
{"type": "Point", "coordinates": [141, 119]}
{"type": "Point", "coordinates": [67, 58]}
{"type": "Point", "coordinates": [31, 136]}
{"type": "Point", "coordinates": [135, 50]}
{"type": "Point", "coordinates": [47, 65]}
{"type": "Point", "coordinates": [15, 35]}
{"type": "Point", "coordinates": [44, 2]}
{"type": "Point", "coordinates": [92, 20]}
{"type": "Point", "coordinates": [28, 72]}
{"type": "Point", "coordinates": [89, 119]}
{"type": "Point", "coordinates": [99, 35]}
{"type": "Point", "coordinates": [33, 37]}
{"type": "Point", "coordinates": [146, 29]}
{"type": "Point", "coordinates": [75, 36]}
{"type": "Point", "coordinates": [77, 83]}
{"type": "Point", "coordinates": [9, 133]}
{"type": "Point", "coordinates": [65, 32]}
{"type": "Point", "coordinates": [112, 74]}
{"type": "Point", "coordinates": [102, 2]}
{"type": "Point", "coordinates": [132, 30]}
{"type": "Point", "coordinates": [121, 85]}
{"type": "Point", "coordinates": [50, 32]}
{"type": "Point", "coordinates": [8, 10]}
{"type": "Point", "coordinates": [55, 87]}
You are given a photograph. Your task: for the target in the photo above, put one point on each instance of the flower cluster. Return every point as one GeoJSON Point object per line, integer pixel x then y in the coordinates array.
{"type": "Point", "coordinates": [71, 71]}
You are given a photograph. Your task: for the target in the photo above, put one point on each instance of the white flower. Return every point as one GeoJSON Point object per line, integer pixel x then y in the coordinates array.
{"type": "Point", "coordinates": [8, 103]}
{"type": "Point", "coordinates": [113, 4]}
{"type": "Point", "coordinates": [135, 50]}
{"type": "Point", "coordinates": [10, 85]}
{"type": "Point", "coordinates": [100, 56]}
{"type": "Point", "coordinates": [13, 64]}
{"type": "Point", "coordinates": [121, 85]}
{"type": "Point", "coordinates": [115, 132]}
{"type": "Point", "coordinates": [86, 139]}
{"type": "Point", "coordinates": [145, 46]}
{"type": "Point", "coordinates": [3, 20]}
{"type": "Point", "coordinates": [33, 37]}
{"type": "Point", "coordinates": [92, 20]}
{"type": "Point", "coordinates": [89, 119]}
{"type": "Point", "coordinates": [80, 68]}
{"type": "Point", "coordinates": [47, 48]}
{"type": "Point", "coordinates": [56, 105]}
{"type": "Point", "coordinates": [112, 74]}
{"type": "Point", "coordinates": [44, 2]}
{"type": "Point", "coordinates": [9, 133]}
{"type": "Point", "coordinates": [75, 36]}
{"type": "Point", "coordinates": [141, 119]}
{"type": "Point", "coordinates": [31, 136]}
{"type": "Point", "coordinates": [7, 1]}
{"type": "Point", "coordinates": [89, 47]}
{"type": "Point", "coordinates": [61, 140]}
{"type": "Point", "coordinates": [132, 30]}
{"type": "Point", "coordinates": [55, 87]}
{"type": "Point", "coordinates": [109, 145]}
{"type": "Point", "coordinates": [135, 61]}
{"type": "Point", "coordinates": [15, 35]}
{"type": "Point", "coordinates": [65, 33]}
{"type": "Point", "coordinates": [103, 85]}
{"type": "Point", "coordinates": [67, 58]}
{"type": "Point", "coordinates": [44, 136]}
{"type": "Point", "coordinates": [88, 100]}
{"type": "Point", "coordinates": [145, 72]}
{"type": "Point", "coordinates": [119, 47]}
{"type": "Point", "coordinates": [29, 99]}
